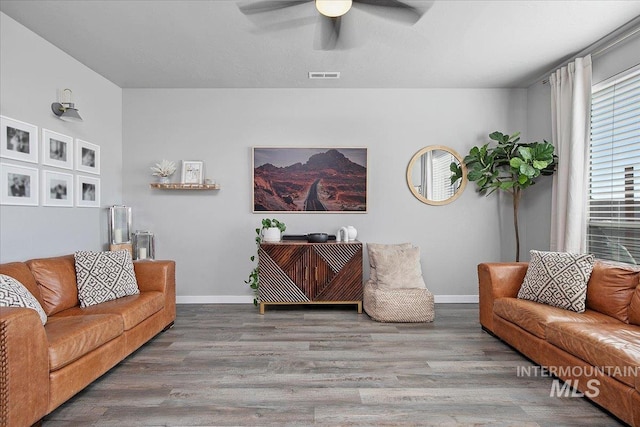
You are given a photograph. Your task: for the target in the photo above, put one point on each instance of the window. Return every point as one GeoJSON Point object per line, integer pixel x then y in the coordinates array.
{"type": "Point", "coordinates": [614, 172]}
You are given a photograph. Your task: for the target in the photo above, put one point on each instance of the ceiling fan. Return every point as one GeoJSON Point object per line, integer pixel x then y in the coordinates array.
{"type": "Point", "coordinates": [332, 11]}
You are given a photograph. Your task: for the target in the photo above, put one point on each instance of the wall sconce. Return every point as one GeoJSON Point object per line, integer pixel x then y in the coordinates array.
{"type": "Point", "coordinates": [67, 111]}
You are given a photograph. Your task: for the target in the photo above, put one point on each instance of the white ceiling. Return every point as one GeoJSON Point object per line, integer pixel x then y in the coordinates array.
{"type": "Point", "coordinates": [211, 44]}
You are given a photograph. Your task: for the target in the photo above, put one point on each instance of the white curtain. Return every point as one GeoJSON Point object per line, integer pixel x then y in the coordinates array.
{"type": "Point", "coordinates": [571, 118]}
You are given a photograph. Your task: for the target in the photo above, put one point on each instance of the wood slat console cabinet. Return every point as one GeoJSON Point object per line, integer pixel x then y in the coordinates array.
{"type": "Point", "coordinates": [297, 272]}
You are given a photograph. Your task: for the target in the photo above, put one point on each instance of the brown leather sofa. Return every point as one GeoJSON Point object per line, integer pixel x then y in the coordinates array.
{"type": "Point", "coordinates": [602, 344]}
{"type": "Point", "coordinates": [43, 366]}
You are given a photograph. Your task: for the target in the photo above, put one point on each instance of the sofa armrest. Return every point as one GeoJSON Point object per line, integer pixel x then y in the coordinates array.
{"type": "Point", "coordinates": [24, 362]}
{"type": "Point", "coordinates": [498, 280]}
{"type": "Point", "coordinates": [158, 276]}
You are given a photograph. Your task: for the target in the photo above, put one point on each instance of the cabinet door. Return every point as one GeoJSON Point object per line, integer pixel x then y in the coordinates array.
{"type": "Point", "coordinates": [344, 283]}
{"type": "Point", "coordinates": [282, 273]}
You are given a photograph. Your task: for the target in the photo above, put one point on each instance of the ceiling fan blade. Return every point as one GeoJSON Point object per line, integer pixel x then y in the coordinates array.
{"type": "Point", "coordinates": [267, 26]}
{"type": "Point", "coordinates": [394, 9]}
{"type": "Point", "coordinates": [329, 32]}
{"type": "Point", "coordinates": [251, 8]}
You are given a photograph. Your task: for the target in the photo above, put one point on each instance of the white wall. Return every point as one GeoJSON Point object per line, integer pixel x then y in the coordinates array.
{"type": "Point", "coordinates": [210, 234]}
{"type": "Point", "coordinates": [32, 72]}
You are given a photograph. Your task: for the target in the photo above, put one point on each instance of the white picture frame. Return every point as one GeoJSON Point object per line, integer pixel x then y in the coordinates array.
{"type": "Point", "coordinates": [18, 185]}
{"type": "Point", "coordinates": [87, 191]}
{"type": "Point", "coordinates": [87, 157]}
{"type": "Point", "coordinates": [18, 140]}
{"type": "Point", "coordinates": [57, 189]}
{"type": "Point", "coordinates": [192, 172]}
{"type": "Point", "coordinates": [57, 149]}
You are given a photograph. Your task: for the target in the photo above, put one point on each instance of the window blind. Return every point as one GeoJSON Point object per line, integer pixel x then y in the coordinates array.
{"type": "Point", "coordinates": [613, 231]}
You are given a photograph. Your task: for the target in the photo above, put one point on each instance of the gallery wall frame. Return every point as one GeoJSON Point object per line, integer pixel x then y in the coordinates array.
{"type": "Point", "coordinates": [87, 191]}
{"type": "Point", "coordinates": [309, 179]}
{"type": "Point", "coordinates": [192, 172]}
{"type": "Point", "coordinates": [19, 185]}
{"type": "Point", "coordinates": [18, 140]}
{"type": "Point", "coordinates": [87, 157]}
{"type": "Point", "coordinates": [57, 189]}
{"type": "Point", "coordinates": [57, 149]}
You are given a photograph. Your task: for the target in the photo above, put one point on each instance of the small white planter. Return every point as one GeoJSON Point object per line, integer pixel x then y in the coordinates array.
{"type": "Point", "coordinates": [271, 234]}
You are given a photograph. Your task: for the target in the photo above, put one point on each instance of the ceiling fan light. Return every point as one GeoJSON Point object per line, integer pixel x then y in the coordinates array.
{"type": "Point", "coordinates": [333, 8]}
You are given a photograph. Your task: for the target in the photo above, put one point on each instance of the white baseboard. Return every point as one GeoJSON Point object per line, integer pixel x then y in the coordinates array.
{"type": "Point", "coordinates": [214, 299]}
{"type": "Point", "coordinates": [456, 299]}
{"type": "Point", "coordinates": [247, 299]}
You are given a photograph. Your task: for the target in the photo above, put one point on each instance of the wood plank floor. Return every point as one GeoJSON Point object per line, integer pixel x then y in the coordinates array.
{"type": "Point", "coordinates": [228, 365]}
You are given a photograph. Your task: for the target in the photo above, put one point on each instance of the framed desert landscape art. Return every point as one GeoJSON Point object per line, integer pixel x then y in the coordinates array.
{"type": "Point", "coordinates": [296, 179]}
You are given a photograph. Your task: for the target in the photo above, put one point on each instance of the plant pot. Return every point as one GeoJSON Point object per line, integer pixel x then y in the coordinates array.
{"type": "Point", "coordinates": [271, 234]}
{"type": "Point", "coordinates": [164, 180]}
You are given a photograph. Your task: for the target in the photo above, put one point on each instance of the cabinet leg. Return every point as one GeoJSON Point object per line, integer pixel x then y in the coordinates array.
{"type": "Point", "coordinates": [261, 308]}
{"type": "Point", "coordinates": [359, 307]}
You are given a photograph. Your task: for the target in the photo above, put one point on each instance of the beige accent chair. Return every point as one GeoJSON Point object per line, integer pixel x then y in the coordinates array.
{"type": "Point", "coordinates": [395, 291]}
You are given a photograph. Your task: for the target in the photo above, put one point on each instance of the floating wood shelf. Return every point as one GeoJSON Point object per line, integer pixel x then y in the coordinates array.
{"type": "Point", "coordinates": [185, 186]}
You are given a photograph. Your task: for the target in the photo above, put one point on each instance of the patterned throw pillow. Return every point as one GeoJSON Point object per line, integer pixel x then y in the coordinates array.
{"type": "Point", "coordinates": [14, 294]}
{"type": "Point", "coordinates": [104, 276]}
{"type": "Point", "coordinates": [558, 279]}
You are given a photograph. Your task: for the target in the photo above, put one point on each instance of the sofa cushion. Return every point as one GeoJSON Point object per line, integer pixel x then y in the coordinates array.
{"type": "Point", "coordinates": [612, 348]}
{"type": "Point", "coordinates": [558, 279]}
{"type": "Point", "coordinates": [56, 278]}
{"type": "Point", "coordinates": [375, 248]}
{"type": "Point", "coordinates": [104, 276]}
{"type": "Point", "coordinates": [534, 317]}
{"type": "Point", "coordinates": [14, 294]}
{"type": "Point", "coordinates": [611, 287]}
{"type": "Point", "coordinates": [71, 337]}
{"type": "Point", "coordinates": [634, 307]}
{"type": "Point", "coordinates": [133, 309]}
{"type": "Point", "coordinates": [399, 269]}
{"type": "Point", "coordinates": [20, 271]}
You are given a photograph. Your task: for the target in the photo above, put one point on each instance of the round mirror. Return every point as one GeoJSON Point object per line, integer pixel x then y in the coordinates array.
{"type": "Point", "coordinates": [429, 175]}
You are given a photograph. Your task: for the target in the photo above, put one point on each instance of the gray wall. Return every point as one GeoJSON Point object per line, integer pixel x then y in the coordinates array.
{"type": "Point", "coordinates": [210, 234]}
{"type": "Point", "coordinates": [33, 71]}
{"type": "Point", "coordinates": [616, 60]}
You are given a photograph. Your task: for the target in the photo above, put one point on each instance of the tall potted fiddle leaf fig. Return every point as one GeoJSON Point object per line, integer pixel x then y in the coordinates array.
{"type": "Point", "coordinates": [509, 166]}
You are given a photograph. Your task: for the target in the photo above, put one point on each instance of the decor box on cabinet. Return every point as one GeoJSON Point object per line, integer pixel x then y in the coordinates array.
{"type": "Point", "coordinates": [310, 273]}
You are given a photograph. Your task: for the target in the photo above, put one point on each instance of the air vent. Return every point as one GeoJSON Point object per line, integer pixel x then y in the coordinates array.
{"type": "Point", "coordinates": [324, 74]}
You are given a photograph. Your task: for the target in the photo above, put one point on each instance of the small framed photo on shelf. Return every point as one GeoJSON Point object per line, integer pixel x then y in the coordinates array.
{"type": "Point", "coordinates": [57, 149]}
{"type": "Point", "coordinates": [87, 157]}
{"type": "Point", "coordinates": [57, 189]}
{"type": "Point", "coordinates": [192, 172]}
{"type": "Point", "coordinates": [19, 185]}
{"type": "Point", "coordinates": [18, 140]}
{"type": "Point", "coordinates": [87, 192]}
